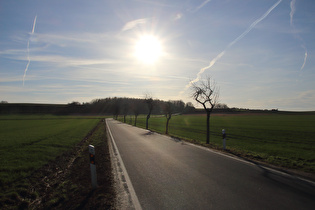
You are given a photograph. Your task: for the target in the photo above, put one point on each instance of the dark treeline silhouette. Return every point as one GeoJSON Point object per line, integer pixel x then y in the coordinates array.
{"type": "Point", "coordinates": [108, 106]}
{"type": "Point", "coordinates": [15, 108]}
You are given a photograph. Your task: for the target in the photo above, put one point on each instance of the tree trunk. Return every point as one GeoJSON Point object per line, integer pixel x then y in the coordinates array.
{"type": "Point", "coordinates": [208, 126]}
{"type": "Point", "coordinates": [136, 116]}
{"type": "Point", "coordinates": [147, 122]}
{"type": "Point", "coordinates": [167, 121]}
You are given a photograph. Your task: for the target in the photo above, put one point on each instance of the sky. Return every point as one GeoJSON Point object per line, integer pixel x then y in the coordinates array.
{"type": "Point", "coordinates": [260, 53]}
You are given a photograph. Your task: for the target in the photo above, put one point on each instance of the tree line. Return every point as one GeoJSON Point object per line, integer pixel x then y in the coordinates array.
{"type": "Point", "coordinates": [113, 106]}
{"type": "Point", "coordinates": [204, 91]}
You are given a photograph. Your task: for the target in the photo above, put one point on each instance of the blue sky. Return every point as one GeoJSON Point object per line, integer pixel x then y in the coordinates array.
{"type": "Point", "coordinates": [261, 53]}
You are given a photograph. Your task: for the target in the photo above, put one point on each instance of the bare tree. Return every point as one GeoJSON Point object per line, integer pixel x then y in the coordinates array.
{"type": "Point", "coordinates": [167, 111]}
{"type": "Point", "coordinates": [125, 109]}
{"type": "Point", "coordinates": [206, 93]}
{"type": "Point", "coordinates": [136, 108]}
{"type": "Point", "coordinates": [150, 103]}
{"type": "Point", "coordinates": [115, 107]}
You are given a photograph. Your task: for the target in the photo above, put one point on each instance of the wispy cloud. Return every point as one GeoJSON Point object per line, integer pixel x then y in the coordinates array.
{"type": "Point", "coordinates": [219, 56]}
{"type": "Point", "coordinates": [297, 36]}
{"type": "Point", "coordinates": [178, 16]}
{"type": "Point", "coordinates": [132, 24]}
{"type": "Point", "coordinates": [158, 3]}
{"type": "Point", "coordinates": [201, 5]}
{"type": "Point", "coordinates": [74, 39]}
{"type": "Point", "coordinates": [70, 61]}
{"type": "Point", "coordinates": [28, 49]}
{"type": "Point", "coordinates": [292, 6]}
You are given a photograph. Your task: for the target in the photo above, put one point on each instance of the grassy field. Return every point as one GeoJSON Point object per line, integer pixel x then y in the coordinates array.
{"type": "Point", "coordinates": [29, 142]}
{"type": "Point", "coordinates": [281, 139]}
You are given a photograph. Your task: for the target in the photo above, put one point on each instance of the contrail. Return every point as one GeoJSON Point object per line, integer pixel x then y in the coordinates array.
{"type": "Point", "coordinates": [205, 68]}
{"type": "Point", "coordinates": [292, 6]}
{"type": "Point", "coordinates": [305, 57]}
{"type": "Point", "coordinates": [297, 36]}
{"type": "Point", "coordinates": [213, 61]}
{"type": "Point", "coordinates": [201, 5]}
{"type": "Point", "coordinates": [254, 24]}
{"type": "Point", "coordinates": [34, 23]}
{"type": "Point", "coordinates": [28, 49]}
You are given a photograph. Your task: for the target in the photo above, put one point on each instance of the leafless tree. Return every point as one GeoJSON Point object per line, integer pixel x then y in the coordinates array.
{"type": "Point", "coordinates": [115, 107]}
{"type": "Point", "coordinates": [125, 109]}
{"type": "Point", "coordinates": [206, 93]}
{"type": "Point", "coordinates": [136, 108]}
{"type": "Point", "coordinates": [150, 103]}
{"type": "Point", "coordinates": [167, 111]}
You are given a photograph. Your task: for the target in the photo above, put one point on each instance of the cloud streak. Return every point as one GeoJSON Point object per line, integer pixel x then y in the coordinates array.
{"type": "Point", "coordinates": [34, 23]}
{"type": "Point", "coordinates": [292, 6]}
{"type": "Point", "coordinates": [220, 55]}
{"type": "Point", "coordinates": [132, 24]}
{"type": "Point", "coordinates": [70, 61]}
{"type": "Point", "coordinates": [201, 5]}
{"type": "Point", "coordinates": [297, 36]}
{"type": "Point", "coordinates": [28, 49]}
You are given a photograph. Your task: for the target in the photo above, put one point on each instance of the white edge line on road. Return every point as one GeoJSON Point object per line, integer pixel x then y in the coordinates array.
{"type": "Point", "coordinates": [241, 160]}
{"type": "Point", "coordinates": [250, 163]}
{"type": "Point", "coordinates": [132, 192]}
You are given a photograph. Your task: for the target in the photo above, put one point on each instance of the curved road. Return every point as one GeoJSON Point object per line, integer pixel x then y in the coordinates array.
{"type": "Point", "coordinates": [170, 174]}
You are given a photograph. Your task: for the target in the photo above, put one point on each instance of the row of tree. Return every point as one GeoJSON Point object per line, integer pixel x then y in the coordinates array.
{"type": "Point", "coordinates": [204, 91]}
{"type": "Point", "coordinates": [108, 106]}
{"type": "Point", "coordinates": [133, 106]}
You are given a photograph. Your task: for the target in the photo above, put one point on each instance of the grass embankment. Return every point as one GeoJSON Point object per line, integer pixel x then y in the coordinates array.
{"type": "Point", "coordinates": [286, 140]}
{"type": "Point", "coordinates": [29, 142]}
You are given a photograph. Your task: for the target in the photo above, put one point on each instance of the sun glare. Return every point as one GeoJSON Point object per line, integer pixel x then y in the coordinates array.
{"type": "Point", "coordinates": [148, 49]}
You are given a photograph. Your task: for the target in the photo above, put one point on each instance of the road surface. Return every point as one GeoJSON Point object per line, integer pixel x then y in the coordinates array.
{"type": "Point", "coordinates": [171, 174]}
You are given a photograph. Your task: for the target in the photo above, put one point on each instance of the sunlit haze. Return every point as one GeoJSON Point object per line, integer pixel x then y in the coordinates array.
{"type": "Point", "coordinates": [148, 49]}
{"type": "Point", "coordinates": [260, 53]}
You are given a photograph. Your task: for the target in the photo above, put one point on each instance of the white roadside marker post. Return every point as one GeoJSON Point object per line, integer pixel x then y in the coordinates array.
{"type": "Point", "coordinates": [223, 136]}
{"type": "Point", "coordinates": [92, 166]}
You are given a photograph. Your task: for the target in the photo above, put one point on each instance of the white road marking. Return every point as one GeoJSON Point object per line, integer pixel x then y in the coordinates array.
{"type": "Point", "coordinates": [132, 192]}
{"type": "Point", "coordinates": [253, 164]}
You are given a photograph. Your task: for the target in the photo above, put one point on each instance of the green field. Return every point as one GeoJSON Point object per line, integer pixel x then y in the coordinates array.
{"type": "Point", "coordinates": [281, 139]}
{"type": "Point", "coordinates": [29, 142]}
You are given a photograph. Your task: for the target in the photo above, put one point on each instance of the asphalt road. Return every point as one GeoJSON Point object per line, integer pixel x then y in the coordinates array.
{"type": "Point", "coordinates": [170, 174]}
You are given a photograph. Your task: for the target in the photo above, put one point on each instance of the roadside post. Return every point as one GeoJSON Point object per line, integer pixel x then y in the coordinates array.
{"type": "Point", "coordinates": [92, 166]}
{"type": "Point", "coordinates": [224, 138]}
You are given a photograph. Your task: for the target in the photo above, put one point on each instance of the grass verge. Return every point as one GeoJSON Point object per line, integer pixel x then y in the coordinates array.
{"type": "Point", "coordinates": [63, 179]}
{"type": "Point", "coordinates": [283, 140]}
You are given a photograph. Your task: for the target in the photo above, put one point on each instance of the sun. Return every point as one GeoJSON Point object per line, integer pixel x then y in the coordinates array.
{"type": "Point", "coordinates": [148, 49]}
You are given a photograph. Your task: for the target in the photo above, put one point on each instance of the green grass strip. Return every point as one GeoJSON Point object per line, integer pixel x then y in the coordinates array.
{"type": "Point", "coordinates": [27, 143]}
{"type": "Point", "coordinates": [281, 139]}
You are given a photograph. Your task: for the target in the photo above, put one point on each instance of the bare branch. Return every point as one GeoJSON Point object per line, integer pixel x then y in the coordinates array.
{"type": "Point", "coordinates": [205, 92]}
